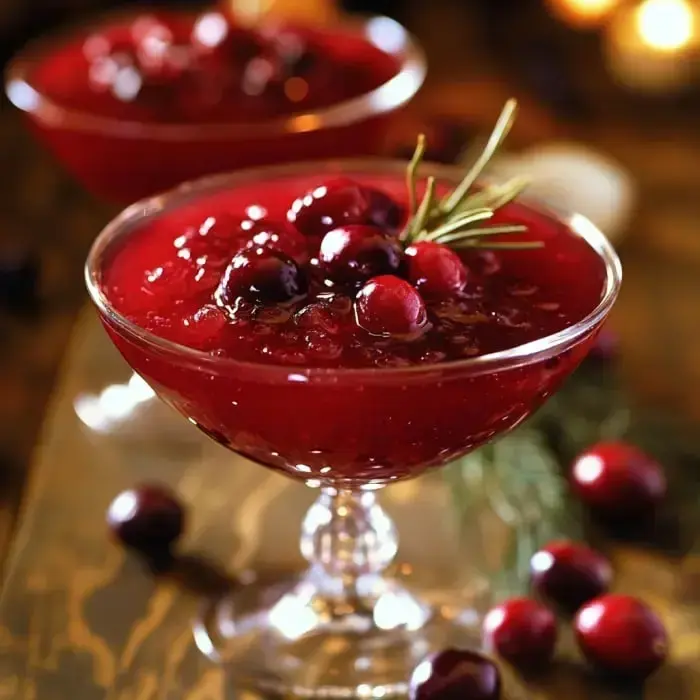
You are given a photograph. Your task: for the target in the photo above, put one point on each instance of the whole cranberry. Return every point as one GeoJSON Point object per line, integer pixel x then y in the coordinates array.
{"type": "Point", "coordinates": [388, 305]}
{"type": "Point", "coordinates": [384, 212]}
{"type": "Point", "coordinates": [148, 518]}
{"type": "Point", "coordinates": [261, 275]}
{"type": "Point", "coordinates": [341, 202]}
{"type": "Point", "coordinates": [221, 46]}
{"type": "Point", "coordinates": [352, 254]}
{"type": "Point", "coordinates": [160, 59]}
{"type": "Point", "coordinates": [294, 52]}
{"type": "Point", "coordinates": [618, 480]}
{"type": "Point", "coordinates": [435, 269]}
{"type": "Point", "coordinates": [455, 674]}
{"type": "Point", "coordinates": [218, 238]}
{"type": "Point", "coordinates": [621, 636]}
{"type": "Point", "coordinates": [521, 631]}
{"type": "Point", "coordinates": [279, 236]}
{"type": "Point", "coordinates": [569, 574]}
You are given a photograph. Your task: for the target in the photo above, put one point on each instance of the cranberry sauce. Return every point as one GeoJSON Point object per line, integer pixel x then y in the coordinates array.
{"type": "Point", "coordinates": [166, 280]}
{"type": "Point", "coordinates": [187, 68]}
{"type": "Point", "coordinates": [249, 274]}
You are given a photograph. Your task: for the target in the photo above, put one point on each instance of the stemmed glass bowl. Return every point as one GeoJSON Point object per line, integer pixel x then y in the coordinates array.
{"type": "Point", "coordinates": [344, 628]}
{"type": "Point", "coordinates": [121, 161]}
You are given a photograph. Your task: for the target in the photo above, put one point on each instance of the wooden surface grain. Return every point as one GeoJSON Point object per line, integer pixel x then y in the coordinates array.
{"type": "Point", "coordinates": [78, 620]}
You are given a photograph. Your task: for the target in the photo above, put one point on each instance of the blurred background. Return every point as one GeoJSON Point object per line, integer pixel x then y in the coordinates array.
{"type": "Point", "coordinates": [610, 97]}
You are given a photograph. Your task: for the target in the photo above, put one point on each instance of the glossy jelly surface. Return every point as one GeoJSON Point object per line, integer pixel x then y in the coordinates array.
{"type": "Point", "coordinates": [299, 385]}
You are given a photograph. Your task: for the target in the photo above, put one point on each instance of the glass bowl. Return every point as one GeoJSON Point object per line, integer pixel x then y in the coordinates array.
{"type": "Point", "coordinates": [121, 161]}
{"type": "Point", "coordinates": [345, 628]}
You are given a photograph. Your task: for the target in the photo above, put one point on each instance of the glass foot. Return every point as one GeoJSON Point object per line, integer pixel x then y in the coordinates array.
{"type": "Point", "coordinates": [290, 638]}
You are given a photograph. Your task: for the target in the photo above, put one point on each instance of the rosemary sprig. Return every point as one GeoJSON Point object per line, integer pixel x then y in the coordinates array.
{"type": "Point", "coordinates": [457, 219]}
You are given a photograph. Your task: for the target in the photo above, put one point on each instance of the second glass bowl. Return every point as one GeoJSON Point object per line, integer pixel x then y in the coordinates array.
{"type": "Point", "coordinates": [122, 161]}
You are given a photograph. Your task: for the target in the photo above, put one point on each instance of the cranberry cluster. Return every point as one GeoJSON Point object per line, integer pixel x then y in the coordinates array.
{"type": "Point", "coordinates": [159, 64]}
{"type": "Point", "coordinates": [618, 634]}
{"type": "Point", "coordinates": [344, 236]}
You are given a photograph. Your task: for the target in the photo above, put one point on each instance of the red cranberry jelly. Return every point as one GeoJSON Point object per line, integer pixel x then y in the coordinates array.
{"type": "Point", "coordinates": [179, 67]}
{"type": "Point", "coordinates": [290, 406]}
{"type": "Point", "coordinates": [140, 96]}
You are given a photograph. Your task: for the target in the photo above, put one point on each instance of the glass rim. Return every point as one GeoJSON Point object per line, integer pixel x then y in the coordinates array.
{"type": "Point", "coordinates": [385, 98]}
{"type": "Point", "coordinates": [526, 353]}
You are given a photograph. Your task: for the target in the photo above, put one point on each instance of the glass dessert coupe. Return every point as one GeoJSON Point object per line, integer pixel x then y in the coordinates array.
{"type": "Point", "coordinates": [123, 146]}
{"type": "Point", "coordinates": [309, 391]}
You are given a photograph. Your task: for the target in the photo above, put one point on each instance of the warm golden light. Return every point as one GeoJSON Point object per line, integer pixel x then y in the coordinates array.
{"type": "Point", "coordinates": [583, 13]}
{"type": "Point", "coordinates": [666, 25]}
{"type": "Point", "coordinates": [655, 45]}
{"type": "Point", "coordinates": [305, 11]}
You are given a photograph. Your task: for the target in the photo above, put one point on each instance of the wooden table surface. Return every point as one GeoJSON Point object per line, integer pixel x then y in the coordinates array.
{"type": "Point", "coordinates": [73, 608]}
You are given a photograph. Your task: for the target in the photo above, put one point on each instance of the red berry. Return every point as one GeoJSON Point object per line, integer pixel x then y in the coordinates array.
{"type": "Point", "coordinates": [355, 253]}
{"type": "Point", "coordinates": [618, 480]}
{"type": "Point", "coordinates": [278, 236]}
{"type": "Point", "coordinates": [569, 574]}
{"type": "Point", "coordinates": [217, 239]}
{"type": "Point", "coordinates": [221, 46]}
{"type": "Point", "coordinates": [621, 636]}
{"type": "Point", "coordinates": [435, 269]}
{"type": "Point", "coordinates": [342, 202]}
{"type": "Point", "coordinates": [148, 518]}
{"type": "Point", "coordinates": [388, 305]}
{"type": "Point", "coordinates": [261, 275]}
{"type": "Point", "coordinates": [384, 212]}
{"type": "Point", "coordinates": [262, 75]}
{"type": "Point", "coordinates": [521, 631]}
{"type": "Point", "coordinates": [161, 61]}
{"type": "Point", "coordinates": [455, 674]}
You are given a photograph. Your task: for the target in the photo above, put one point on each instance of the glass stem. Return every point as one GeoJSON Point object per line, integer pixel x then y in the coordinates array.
{"type": "Point", "coordinates": [349, 541]}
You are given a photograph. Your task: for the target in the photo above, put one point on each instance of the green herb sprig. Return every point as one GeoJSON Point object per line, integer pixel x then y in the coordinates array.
{"type": "Point", "coordinates": [460, 219]}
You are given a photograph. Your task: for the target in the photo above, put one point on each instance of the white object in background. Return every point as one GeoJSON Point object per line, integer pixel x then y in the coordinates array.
{"type": "Point", "coordinates": [654, 47]}
{"type": "Point", "coordinates": [575, 178]}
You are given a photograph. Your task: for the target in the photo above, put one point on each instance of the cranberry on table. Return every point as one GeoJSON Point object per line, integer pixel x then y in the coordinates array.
{"type": "Point", "coordinates": [618, 480]}
{"type": "Point", "coordinates": [521, 631]}
{"type": "Point", "coordinates": [569, 574]}
{"type": "Point", "coordinates": [355, 253]}
{"type": "Point", "coordinates": [148, 518]}
{"type": "Point", "coordinates": [341, 202]}
{"type": "Point", "coordinates": [261, 275]}
{"type": "Point", "coordinates": [388, 305]}
{"type": "Point", "coordinates": [435, 269]}
{"type": "Point", "coordinates": [620, 635]}
{"type": "Point", "coordinates": [455, 674]}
